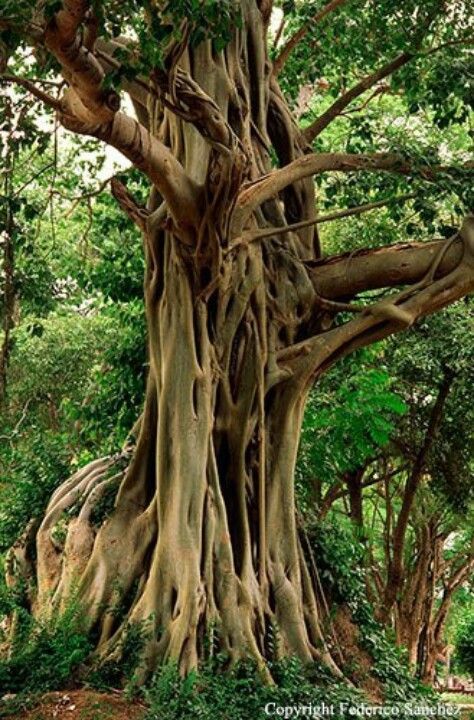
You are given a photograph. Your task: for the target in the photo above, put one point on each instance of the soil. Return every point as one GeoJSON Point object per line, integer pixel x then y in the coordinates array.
{"type": "Point", "coordinates": [74, 705]}
{"type": "Point", "coordinates": [357, 662]}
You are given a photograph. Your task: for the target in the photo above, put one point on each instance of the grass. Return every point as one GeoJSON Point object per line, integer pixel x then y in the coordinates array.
{"type": "Point", "coordinates": [459, 698]}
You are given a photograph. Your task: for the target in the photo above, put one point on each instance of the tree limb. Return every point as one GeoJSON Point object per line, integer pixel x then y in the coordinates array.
{"type": "Point", "coordinates": [154, 159]}
{"type": "Point", "coordinates": [336, 109]}
{"type": "Point", "coordinates": [300, 34]}
{"type": "Point", "coordinates": [87, 109]}
{"type": "Point", "coordinates": [321, 122]}
{"type": "Point", "coordinates": [86, 97]}
{"type": "Point", "coordinates": [249, 237]}
{"type": "Point", "coordinates": [254, 194]}
{"type": "Point", "coordinates": [351, 273]}
{"type": "Point", "coordinates": [29, 85]}
{"type": "Point", "coordinates": [310, 357]}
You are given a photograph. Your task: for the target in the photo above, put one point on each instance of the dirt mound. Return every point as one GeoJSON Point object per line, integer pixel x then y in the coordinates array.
{"type": "Point", "coordinates": [357, 662]}
{"type": "Point", "coordinates": [74, 705]}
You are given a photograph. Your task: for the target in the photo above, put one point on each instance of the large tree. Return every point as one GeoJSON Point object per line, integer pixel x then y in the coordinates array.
{"type": "Point", "coordinates": [244, 312]}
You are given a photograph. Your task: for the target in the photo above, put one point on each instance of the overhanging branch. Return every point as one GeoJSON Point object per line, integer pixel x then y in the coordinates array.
{"type": "Point", "coordinates": [254, 194]}
{"type": "Point", "coordinates": [87, 108]}
{"type": "Point", "coordinates": [351, 273]}
{"type": "Point", "coordinates": [312, 356]}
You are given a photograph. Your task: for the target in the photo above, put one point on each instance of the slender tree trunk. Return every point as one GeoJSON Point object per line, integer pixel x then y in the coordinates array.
{"type": "Point", "coordinates": [353, 481]}
{"type": "Point", "coordinates": [395, 569]}
{"type": "Point", "coordinates": [8, 310]}
{"type": "Point", "coordinates": [415, 595]}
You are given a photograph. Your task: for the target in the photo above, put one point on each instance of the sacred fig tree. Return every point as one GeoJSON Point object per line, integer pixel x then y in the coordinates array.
{"type": "Point", "coordinates": [244, 314]}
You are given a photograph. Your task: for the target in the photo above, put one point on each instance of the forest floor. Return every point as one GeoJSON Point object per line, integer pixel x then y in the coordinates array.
{"type": "Point", "coordinates": [75, 705]}
{"type": "Point", "coordinates": [92, 705]}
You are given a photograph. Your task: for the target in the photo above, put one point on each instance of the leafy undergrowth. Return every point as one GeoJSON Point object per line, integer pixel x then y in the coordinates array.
{"type": "Point", "coordinates": [55, 655]}
{"type": "Point", "coordinates": [458, 698]}
{"type": "Point", "coordinates": [42, 655]}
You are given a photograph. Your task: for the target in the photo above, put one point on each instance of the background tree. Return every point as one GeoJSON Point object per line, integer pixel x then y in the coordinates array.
{"type": "Point", "coordinates": [403, 476]}
{"type": "Point", "coordinates": [244, 312]}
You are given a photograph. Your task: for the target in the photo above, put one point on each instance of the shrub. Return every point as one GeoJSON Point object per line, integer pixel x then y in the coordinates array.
{"type": "Point", "coordinates": [44, 655]}
{"type": "Point", "coordinates": [238, 693]}
{"type": "Point", "coordinates": [465, 644]}
{"type": "Point", "coordinates": [340, 563]}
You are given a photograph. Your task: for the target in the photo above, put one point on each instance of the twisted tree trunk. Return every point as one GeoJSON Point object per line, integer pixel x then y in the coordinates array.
{"type": "Point", "coordinates": [241, 315]}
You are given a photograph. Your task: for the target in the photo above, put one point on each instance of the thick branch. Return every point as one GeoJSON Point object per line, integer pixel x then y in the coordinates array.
{"type": "Point", "coordinates": [86, 98]}
{"type": "Point", "coordinates": [300, 34]}
{"type": "Point", "coordinates": [371, 269]}
{"type": "Point", "coordinates": [87, 109]}
{"type": "Point", "coordinates": [310, 357]}
{"type": "Point", "coordinates": [153, 158]}
{"type": "Point", "coordinates": [254, 194]}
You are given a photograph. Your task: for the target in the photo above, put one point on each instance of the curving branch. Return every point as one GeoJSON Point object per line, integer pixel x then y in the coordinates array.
{"type": "Point", "coordinates": [87, 108]}
{"type": "Point", "coordinates": [321, 122]}
{"type": "Point", "coordinates": [136, 212]}
{"type": "Point", "coordinates": [254, 194]}
{"type": "Point", "coordinates": [155, 160]}
{"type": "Point", "coordinates": [300, 34]}
{"type": "Point", "coordinates": [340, 104]}
{"type": "Point", "coordinates": [453, 280]}
{"type": "Point", "coordinates": [86, 97]}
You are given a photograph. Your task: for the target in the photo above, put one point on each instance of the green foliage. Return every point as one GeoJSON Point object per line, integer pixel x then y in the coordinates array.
{"type": "Point", "coordinates": [71, 401]}
{"type": "Point", "coordinates": [112, 673]}
{"type": "Point", "coordinates": [341, 568]}
{"type": "Point", "coordinates": [155, 25]}
{"type": "Point", "coordinates": [45, 654]}
{"type": "Point", "coordinates": [116, 386]}
{"type": "Point", "coordinates": [238, 692]}
{"type": "Point", "coordinates": [35, 468]}
{"type": "Point", "coordinates": [433, 80]}
{"type": "Point", "coordinates": [350, 415]}
{"type": "Point", "coordinates": [464, 642]}
{"type": "Point", "coordinates": [440, 344]}
{"type": "Point", "coordinates": [76, 371]}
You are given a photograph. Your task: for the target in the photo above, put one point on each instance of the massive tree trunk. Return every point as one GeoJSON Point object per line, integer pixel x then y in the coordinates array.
{"type": "Point", "coordinates": [241, 314]}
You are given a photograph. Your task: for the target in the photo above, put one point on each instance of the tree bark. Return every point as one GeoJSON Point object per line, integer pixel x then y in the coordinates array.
{"type": "Point", "coordinates": [203, 534]}
{"type": "Point", "coordinates": [395, 569]}
{"type": "Point", "coordinates": [8, 311]}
